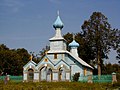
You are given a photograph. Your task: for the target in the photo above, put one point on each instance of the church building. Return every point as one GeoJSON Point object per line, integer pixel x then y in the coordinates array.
{"type": "Point", "coordinates": [58, 64]}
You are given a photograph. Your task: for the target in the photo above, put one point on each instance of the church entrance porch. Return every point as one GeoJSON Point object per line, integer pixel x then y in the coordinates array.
{"type": "Point", "coordinates": [46, 74]}
{"type": "Point", "coordinates": [43, 73]}
{"type": "Point", "coordinates": [30, 75]}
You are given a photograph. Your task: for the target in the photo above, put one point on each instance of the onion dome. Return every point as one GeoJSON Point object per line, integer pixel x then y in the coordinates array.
{"type": "Point", "coordinates": [74, 44]}
{"type": "Point", "coordinates": [58, 23]}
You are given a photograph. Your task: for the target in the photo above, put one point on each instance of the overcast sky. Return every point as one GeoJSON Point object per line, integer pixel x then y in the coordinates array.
{"type": "Point", "coordinates": [28, 23]}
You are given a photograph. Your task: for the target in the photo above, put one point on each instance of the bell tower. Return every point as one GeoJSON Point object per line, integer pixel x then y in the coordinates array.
{"type": "Point", "coordinates": [57, 42]}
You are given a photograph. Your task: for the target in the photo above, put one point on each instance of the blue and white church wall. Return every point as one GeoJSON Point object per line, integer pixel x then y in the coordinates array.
{"type": "Point", "coordinates": [29, 71]}
{"type": "Point", "coordinates": [47, 71]}
{"type": "Point", "coordinates": [58, 64]}
{"type": "Point", "coordinates": [57, 69]}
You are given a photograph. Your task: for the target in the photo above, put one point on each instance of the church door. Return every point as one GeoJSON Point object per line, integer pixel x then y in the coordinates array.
{"type": "Point", "coordinates": [43, 73]}
{"type": "Point", "coordinates": [49, 74]}
{"type": "Point", "coordinates": [62, 74]}
{"type": "Point", "coordinates": [30, 75]}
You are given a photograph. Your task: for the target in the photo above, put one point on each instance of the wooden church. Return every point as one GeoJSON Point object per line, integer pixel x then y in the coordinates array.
{"type": "Point", "coordinates": [58, 64]}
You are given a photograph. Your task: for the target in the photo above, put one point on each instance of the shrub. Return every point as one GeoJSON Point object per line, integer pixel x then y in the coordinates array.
{"type": "Point", "coordinates": [76, 77]}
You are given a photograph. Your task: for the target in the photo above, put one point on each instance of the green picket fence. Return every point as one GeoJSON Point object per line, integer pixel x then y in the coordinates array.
{"type": "Point", "coordinates": [102, 78]}
{"type": "Point", "coordinates": [2, 77]}
{"type": "Point", "coordinates": [12, 78]}
{"type": "Point", "coordinates": [83, 79]}
{"type": "Point", "coordinates": [97, 79]}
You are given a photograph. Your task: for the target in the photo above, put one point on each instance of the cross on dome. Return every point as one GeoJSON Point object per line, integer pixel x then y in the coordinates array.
{"type": "Point", "coordinates": [74, 43]}
{"type": "Point", "coordinates": [58, 12]}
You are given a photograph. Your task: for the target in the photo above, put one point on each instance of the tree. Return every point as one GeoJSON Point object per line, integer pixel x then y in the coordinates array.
{"type": "Point", "coordinates": [23, 54]}
{"type": "Point", "coordinates": [12, 60]}
{"type": "Point", "coordinates": [118, 56]}
{"type": "Point", "coordinates": [68, 37]}
{"type": "Point", "coordinates": [118, 45]}
{"type": "Point", "coordinates": [84, 50]}
{"type": "Point", "coordinates": [110, 68]}
{"type": "Point", "coordinates": [100, 36]}
{"type": "Point", "coordinates": [3, 47]}
{"type": "Point", "coordinates": [118, 51]}
{"type": "Point", "coordinates": [43, 52]}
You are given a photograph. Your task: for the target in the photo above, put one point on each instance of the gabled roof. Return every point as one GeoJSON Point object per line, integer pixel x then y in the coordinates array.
{"type": "Point", "coordinates": [43, 59]}
{"type": "Point", "coordinates": [62, 61]}
{"type": "Point", "coordinates": [80, 61]}
{"type": "Point", "coordinates": [75, 57]}
{"type": "Point", "coordinates": [29, 63]}
{"type": "Point", "coordinates": [55, 64]}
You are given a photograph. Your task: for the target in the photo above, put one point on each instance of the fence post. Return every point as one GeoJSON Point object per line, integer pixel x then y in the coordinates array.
{"type": "Point", "coordinates": [90, 79]}
{"type": "Point", "coordinates": [114, 77]}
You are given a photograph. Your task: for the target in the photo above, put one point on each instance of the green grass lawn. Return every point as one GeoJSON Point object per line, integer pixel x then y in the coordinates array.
{"type": "Point", "coordinates": [57, 86]}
